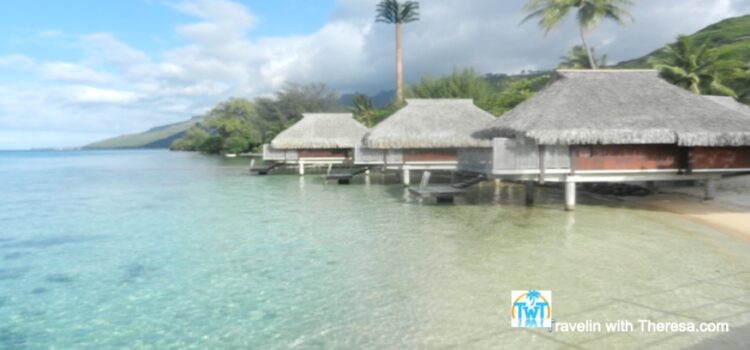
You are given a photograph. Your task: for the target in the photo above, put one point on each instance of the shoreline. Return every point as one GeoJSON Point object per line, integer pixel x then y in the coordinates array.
{"type": "Point", "coordinates": [724, 216]}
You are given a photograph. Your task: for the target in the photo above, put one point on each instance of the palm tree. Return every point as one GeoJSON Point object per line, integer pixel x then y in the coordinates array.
{"type": "Point", "coordinates": [577, 58]}
{"type": "Point", "coordinates": [362, 108]}
{"type": "Point", "coordinates": [393, 12]}
{"type": "Point", "coordinates": [588, 12]}
{"type": "Point", "coordinates": [697, 68]}
{"type": "Point", "coordinates": [743, 95]}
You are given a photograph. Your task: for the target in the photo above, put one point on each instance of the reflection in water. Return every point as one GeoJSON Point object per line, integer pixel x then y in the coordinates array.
{"type": "Point", "coordinates": [570, 223]}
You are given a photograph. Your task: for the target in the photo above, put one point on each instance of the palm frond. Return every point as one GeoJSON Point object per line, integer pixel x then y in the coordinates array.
{"type": "Point", "coordinates": [391, 11]}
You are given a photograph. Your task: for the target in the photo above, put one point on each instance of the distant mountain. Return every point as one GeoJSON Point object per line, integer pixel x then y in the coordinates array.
{"type": "Point", "coordinates": [379, 100]}
{"type": "Point", "coordinates": [730, 36]}
{"type": "Point", "coordinates": [158, 137]}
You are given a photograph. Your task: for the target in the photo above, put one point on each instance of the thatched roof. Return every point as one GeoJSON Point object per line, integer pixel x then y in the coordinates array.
{"type": "Point", "coordinates": [431, 123]}
{"type": "Point", "coordinates": [321, 131]}
{"type": "Point", "coordinates": [621, 107]}
{"type": "Point", "coordinates": [731, 103]}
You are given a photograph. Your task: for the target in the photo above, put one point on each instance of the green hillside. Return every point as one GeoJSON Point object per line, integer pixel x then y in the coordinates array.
{"type": "Point", "coordinates": [731, 37]}
{"type": "Point", "coordinates": [158, 137]}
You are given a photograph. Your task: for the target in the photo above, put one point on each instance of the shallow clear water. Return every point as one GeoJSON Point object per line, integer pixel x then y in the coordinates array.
{"type": "Point", "coordinates": [174, 250]}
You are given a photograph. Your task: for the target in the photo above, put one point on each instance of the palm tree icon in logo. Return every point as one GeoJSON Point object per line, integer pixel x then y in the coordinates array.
{"type": "Point", "coordinates": [530, 309]}
{"type": "Point", "coordinates": [532, 297]}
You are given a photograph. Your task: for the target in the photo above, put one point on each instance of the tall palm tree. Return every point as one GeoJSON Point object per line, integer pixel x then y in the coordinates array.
{"type": "Point", "coordinates": [577, 58]}
{"type": "Point", "coordinates": [697, 68]}
{"type": "Point", "coordinates": [394, 12]}
{"type": "Point", "coordinates": [588, 12]}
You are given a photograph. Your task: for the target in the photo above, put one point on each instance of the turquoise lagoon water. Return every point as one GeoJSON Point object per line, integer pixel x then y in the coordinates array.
{"type": "Point", "coordinates": [150, 249]}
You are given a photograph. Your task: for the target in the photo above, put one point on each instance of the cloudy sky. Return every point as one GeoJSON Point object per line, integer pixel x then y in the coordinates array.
{"type": "Point", "coordinates": [76, 71]}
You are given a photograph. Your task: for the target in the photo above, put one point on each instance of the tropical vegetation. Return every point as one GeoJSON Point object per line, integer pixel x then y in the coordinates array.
{"type": "Point", "coordinates": [578, 58]}
{"type": "Point", "coordinates": [496, 99]}
{"type": "Point", "coordinates": [551, 13]}
{"type": "Point", "coordinates": [720, 47]}
{"type": "Point", "coordinates": [240, 125]}
{"type": "Point", "coordinates": [697, 67]}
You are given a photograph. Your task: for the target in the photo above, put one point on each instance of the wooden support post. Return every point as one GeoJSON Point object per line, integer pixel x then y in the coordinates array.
{"type": "Point", "coordinates": [542, 152]}
{"type": "Point", "coordinates": [529, 190]}
{"type": "Point", "coordinates": [497, 183]}
{"type": "Point", "coordinates": [710, 189]}
{"type": "Point", "coordinates": [406, 177]}
{"type": "Point", "coordinates": [570, 195]}
{"type": "Point", "coordinates": [301, 168]}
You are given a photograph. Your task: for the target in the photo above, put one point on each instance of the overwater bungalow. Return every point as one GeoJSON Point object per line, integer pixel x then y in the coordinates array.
{"type": "Point", "coordinates": [425, 134]}
{"type": "Point", "coordinates": [317, 139]}
{"type": "Point", "coordinates": [614, 126]}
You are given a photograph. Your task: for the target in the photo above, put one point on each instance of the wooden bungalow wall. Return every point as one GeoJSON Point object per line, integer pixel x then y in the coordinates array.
{"type": "Point", "coordinates": [513, 155]}
{"type": "Point", "coordinates": [430, 155]}
{"type": "Point", "coordinates": [659, 157]}
{"type": "Point", "coordinates": [324, 153]}
{"type": "Point", "coordinates": [625, 157]}
{"type": "Point", "coordinates": [720, 157]}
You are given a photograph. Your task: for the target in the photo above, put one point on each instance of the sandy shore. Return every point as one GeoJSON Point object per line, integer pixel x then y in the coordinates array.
{"type": "Point", "coordinates": [729, 212]}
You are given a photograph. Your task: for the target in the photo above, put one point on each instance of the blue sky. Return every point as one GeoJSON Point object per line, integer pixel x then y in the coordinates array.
{"type": "Point", "coordinates": [147, 25]}
{"type": "Point", "coordinates": [76, 71]}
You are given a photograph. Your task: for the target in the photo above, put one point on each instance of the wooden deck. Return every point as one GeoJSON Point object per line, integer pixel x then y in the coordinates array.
{"type": "Point", "coordinates": [264, 168]}
{"type": "Point", "coordinates": [345, 177]}
{"type": "Point", "coordinates": [443, 193]}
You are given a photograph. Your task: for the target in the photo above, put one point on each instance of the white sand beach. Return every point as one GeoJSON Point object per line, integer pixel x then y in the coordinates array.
{"type": "Point", "coordinates": [728, 212]}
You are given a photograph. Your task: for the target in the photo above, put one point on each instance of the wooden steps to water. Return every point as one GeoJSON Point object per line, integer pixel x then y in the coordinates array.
{"type": "Point", "coordinates": [264, 168]}
{"type": "Point", "coordinates": [443, 193]}
{"type": "Point", "coordinates": [344, 177]}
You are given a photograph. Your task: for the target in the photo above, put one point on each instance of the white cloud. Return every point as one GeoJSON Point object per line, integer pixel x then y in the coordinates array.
{"type": "Point", "coordinates": [17, 62]}
{"type": "Point", "coordinates": [93, 95]}
{"type": "Point", "coordinates": [223, 21]}
{"type": "Point", "coordinates": [72, 72]}
{"type": "Point", "coordinates": [105, 47]}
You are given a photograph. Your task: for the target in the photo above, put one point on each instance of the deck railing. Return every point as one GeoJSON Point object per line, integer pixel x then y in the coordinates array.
{"type": "Point", "coordinates": [478, 160]}
{"type": "Point", "coordinates": [270, 153]}
{"type": "Point", "coordinates": [364, 155]}
{"type": "Point", "coordinates": [511, 156]}
{"type": "Point", "coordinates": [394, 157]}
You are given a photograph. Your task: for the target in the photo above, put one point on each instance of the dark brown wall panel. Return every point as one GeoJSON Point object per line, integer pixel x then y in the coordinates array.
{"type": "Point", "coordinates": [625, 157]}
{"type": "Point", "coordinates": [720, 157]}
{"type": "Point", "coordinates": [429, 155]}
{"type": "Point", "coordinates": [323, 153]}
